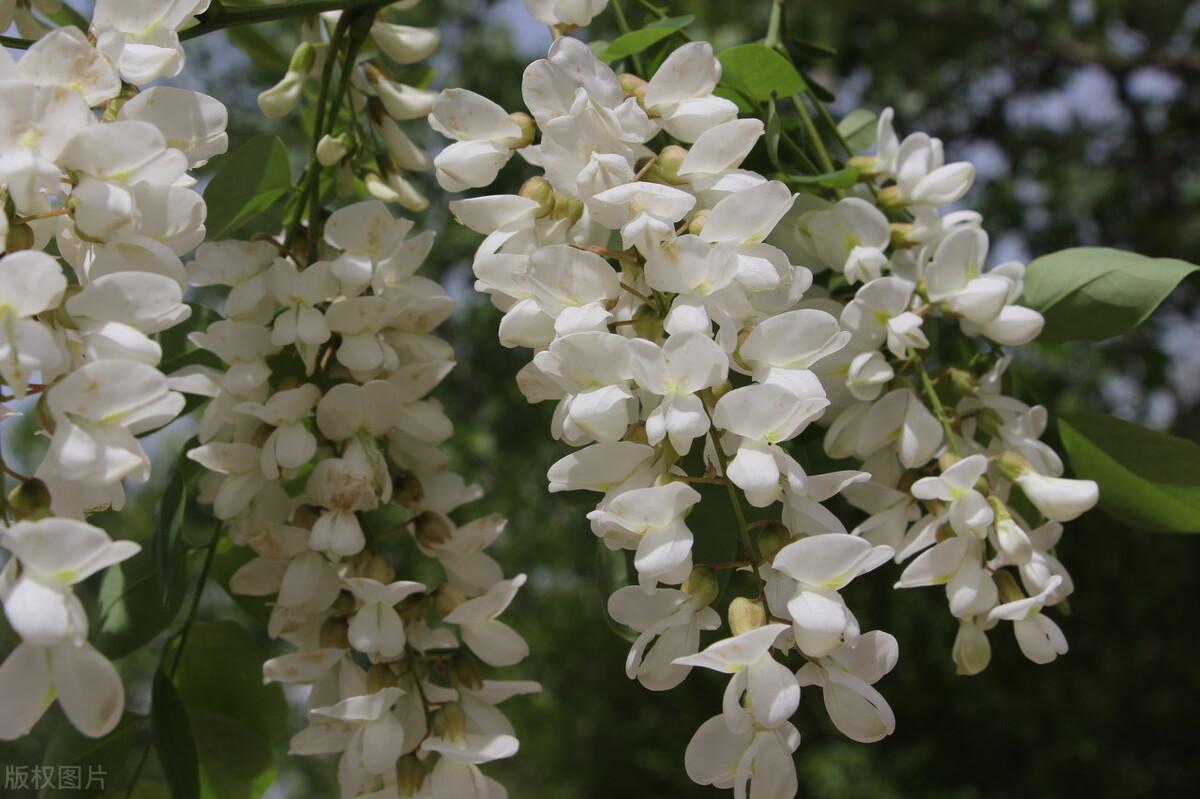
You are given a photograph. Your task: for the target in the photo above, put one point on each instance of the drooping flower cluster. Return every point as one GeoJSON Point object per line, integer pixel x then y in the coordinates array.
{"type": "Point", "coordinates": [323, 450]}
{"type": "Point", "coordinates": [377, 151]}
{"type": "Point", "coordinates": [101, 170]}
{"type": "Point", "coordinates": [690, 318]}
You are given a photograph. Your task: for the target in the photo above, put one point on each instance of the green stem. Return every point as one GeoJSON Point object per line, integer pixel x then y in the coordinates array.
{"type": "Point", "coordinates": [934, 400]}
{"type": "Point", "coordinates": [823, 112]}
{"type": "Point", "coordinates": [811, 129]}
{"type": "Point", "coordinates": [775, 25]}
{"type": "Point", "coordinates": [805, 161]}
{"type": "Point", "coordinates": [749, 550]}
{"type": "Point", "coordinates": [623, 25]}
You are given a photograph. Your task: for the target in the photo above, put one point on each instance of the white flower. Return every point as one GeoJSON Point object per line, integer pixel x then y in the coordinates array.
{"type": "Point", "coordinates": [376, 628]}
{"type": "Point", "coordinates": [680, 93]}
{"type": "Point", "coordinates": [771, 691]}
{"type": "Point", "coordinates": [405, 44]}
{"type": "Point", "coordinates": [376, 740]}
{"type": "Point", "coordinates": [846, 678]}
{"type": "Point", "coordinates": [668, 622]}
{"type": "Point", "coordinates": [290, 445]}
{"type": "Point", "coordinates": [565, 12]}
{"type": "Point", "coordinates": [493, 641]}
{"type": "Point", "coordinates": [485, 136]}
{"type": "Point", "coordinates": [970, 513]}
{"type": "Point", "coordinates": [1040, 639]}
{"type": "Point", "coordinates": [1058, 498]}
{"type": "Point", "coordinates": [686, 364]}
{"type": "Point", "coordinates": [762, 759]}
{"type": "Point", "coordinates": [142, 39]}
{"type": "Point", "coordinates": [821, 565]}
{"type": "Point", "coordinates": [957, 564]}
{"type": "Point", "coordinates": [31, 283]}
{"type": "Point", "coordinates": [651, 520]}
{"type": "Point", "coordinates": [241, 465]}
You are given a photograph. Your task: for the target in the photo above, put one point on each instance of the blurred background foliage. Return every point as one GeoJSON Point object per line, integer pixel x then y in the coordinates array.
{"type": "Point", "coordinates": [1080, 116]}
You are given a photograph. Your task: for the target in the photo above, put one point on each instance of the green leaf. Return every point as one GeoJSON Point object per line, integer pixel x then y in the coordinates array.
{"type": "Point", "coordinates": [774, 129]}
{"type": "Point", "coordinates": [858, 129]}
{"type": "Point", "coordinates": [258, 47]}
{"type": "Point", "coordinates": [168, 539]}
{"type": "Point", "coordinates": [1094, 293]}
{"type": "Point", "coordinates": [103, 760]}
{"type": "Point", "coordinates": [1148, 480]}
{"type": "Point", "coordinates": [759, 72]}
{"type": "Point", "coordinates": [172, 735]}
{"type": "Point", "coordinates": [249, 182]}
{"type": "Point", "coordinates": [132, 611]}
{"type": "Point", "coordinates": [841, 179]}
{"type": "Point", "coordinates": [221, 671]}
{"type": "Point", "coordinates": [635, 42]}
{"type": "Point", "coordinates": [811, 50]}
{"type": "Point", "coordinates": [235, 761]}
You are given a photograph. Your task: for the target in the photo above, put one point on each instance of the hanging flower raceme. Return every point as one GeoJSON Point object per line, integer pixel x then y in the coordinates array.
{"type": "Point", "coordinates": [100, 169]}
{"type": "Point", "coordinates": [672, 296]}
{"type": "Point", "coordinates": [326, 464]}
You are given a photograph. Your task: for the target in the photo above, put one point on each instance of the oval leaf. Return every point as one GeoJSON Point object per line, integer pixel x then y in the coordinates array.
{"type": "Point", "coordinates": [858, 129]}
{"type": "Point", "coordinates": [759, 72]}
{"type": "Point", "coordinates": [1094, 293]}
{"type": "Point", "coordinates": [635, 42]}
{"type": "Point", "coordinates": [172, 735]}
{"type": "Point", "coordinates": [249, 182]}
{"type": "Point", "coordinates": [1148, 480]}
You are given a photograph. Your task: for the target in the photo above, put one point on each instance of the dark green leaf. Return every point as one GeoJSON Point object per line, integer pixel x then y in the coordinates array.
{"type": "Point", "coordinates": [759, 72]}
{"type": "Point", "coordinates": [818, 89]}
{"type": "Point", "coordinates": [1094, 293]}
{"type": "Point", "coordinates": [254, 44]}
{"type": "Point", "coordinates": [1148, 480]}
{"type": "Point", "coordinates": [103, 760]}
{"type": "Point", "coordinates": [168, 536]}
{"type": "Point", "coordinates": [635, 42]}
{"type": "Point", "coordinates": [235, 689]}
{"type": "Point", "coordinates": [858, 129]}
{"type": "Point", "coordinates": [132, 612]}
{"type": "Point", "coordinates": [235, 762]}
{"type": "Point", "coordinates": [811, 50]}
{"type": "Point", "coordinates": [172, 736]}
{"type": "Point", "coordinates": [249, 182]}
{"type": "Point", "coordinates": [774, 128]}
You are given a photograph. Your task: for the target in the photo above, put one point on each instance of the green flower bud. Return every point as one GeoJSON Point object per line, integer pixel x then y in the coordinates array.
{"type": "Point", "coordinates": [963, 381]}
{"type": "Point", "coordinates": [410, 775]}
{"type": "Point", "coordinates": [1007, 586]}
{"type": "Point", "coordinates": [669, 162]}
{"type": "Point", "coordinates": [466, 673]}
{"type": "Point", "coordinates": [702, 585]}
{"type": "Point", "coordinates": [772, 538]}
{"type": "Point", "coordinates": [696, 226]}
{"type": "Point", "coordinates": [450, 722]}
{"type": "Point", "coordinates": [432, 529]}
{"type": "Point", "coordinates": [541, 192]}
{"type": "Point", "coordinates": [528, 129]}
{"type": "Point", "coordinates": [1013, 465]}
{"type": "Point", "coordinates": [379, 569]}
{"type": "Point", "coordinates": [29, 501]}
{"type": "Point", "coordinates": [867, 165]}
{"type": "Point", "coordinates": [630, 83]}
{"type": "Point", "coordinates": [20, 237]}
{"type": "Point", "coordinates": [303, 58]}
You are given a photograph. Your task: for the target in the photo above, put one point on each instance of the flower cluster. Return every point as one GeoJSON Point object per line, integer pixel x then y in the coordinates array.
{"type": "Point", "coordinates": [378, 151]}
{"type": "Point", "coordinates": [322, 450]}
{"type": "Point", "coordinates": [99, 169]}
{"type": "Point", "coordinates": [691, 317]}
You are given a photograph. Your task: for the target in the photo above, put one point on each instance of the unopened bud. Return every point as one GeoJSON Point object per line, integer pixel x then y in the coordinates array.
{"type": "Point", "coordinates": [636, 433]}
{"type": "Point", "coordinates": [379, 570]}
{"type": "Point", "coordinates": [963, 381]}
{"type": "Point", "coordinates": [282, 98]}
{"type": "Point", "coordinates": [669, 161]}
{"type": "Point", "coordinates": [20, 237]}
{"type": "Point", "coordinates": [29, 501]}
{"type": "Point", "coordinates": [647, 323]}
{"type": "Point", "coordinates": [303, 58]}
{"type": "Point", "coordinates": [410, 775]}
{"type": "Point", "coordinates": [466, 673]}
{"type": "Point", "coordinates": [900, 235]}
{"type": "Point", "coordinates": [407, 195]}
{"type": "Point", "coordinates": [450, 722]}
{"type": "Point", "coordinates": [541, 192]}
{"type": "Point", "coordinates": [702, 585]}
{"type": "Point", "coordinates": [379, 676]}
{"type": "Point", "coordinates": [432, 529]}
{"type": "Point", "coordinates": [332, 149]}
{"type": "Point", "coordinates": [999, 508]}
{"type": "Point", "coordinates": [1013, 466]}
{"type": "Point", "coordinates": [335, 634]}
{"type": "Point", "coordinates": [630, 83]}
{"type": "Point", "coordinates": [946, 460]}
{"type": "Point", "coordinates": [566, 207]}
{"type": "Point", "coordinates": [407, 491]}
{"type": "Point", "coordinates": [447, 598]}
{"type": "Point", "coordinates": [944, 532]}
{"type": "Point", "coordinates": [990, 422]}
{"type": "Point", "coordinates": [696, 226]}
{"type": "Point", "coordinates": [528, 129]}
{"type": "Point", "coordinates": [772, 538]}
{"type": "Point", "coordinates": [889, 199]}
{"type": "Point", "coordinates": [1007, 586]}
{"type": "Point", "coordinates": [867, 165]}
{"type": "Point", "coordinates": [745, 615]}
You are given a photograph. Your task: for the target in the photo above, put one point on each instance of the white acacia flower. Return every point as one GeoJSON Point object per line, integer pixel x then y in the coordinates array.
{"type": "Point", "coordinates": [668, 622]}
{"type": "Point", "coordinates": [565, 12]}
{"type": "Point", "coordinates": [492, 640]}
{"type": "Point", "coordinates": [846, 678]}
{"type": "Point", "coordinates": [651, 521]}
{"type": "Point", "coordinates": [956, 563]}
{"type": "Point", "coordinates": [375, 628]}
{"type": "Point", "coordinates": [485, 136]}
{"type": "Point", "coordinates": [685, 364]}
{"type": "Point", "coordinates": [290, 444]}
{"type": "Point", "coordinates": [1040, 639]}
{"type": "Point", "coordinates": [755, 763]}
{"type": "Point", "coordinates": [143, 39]}
{"type": "Point", "coordinates": [680, 93]}
{"type": "Point", "coordinates": [970, 513]}
{"type": "Point", "coordinates": [31, 283]}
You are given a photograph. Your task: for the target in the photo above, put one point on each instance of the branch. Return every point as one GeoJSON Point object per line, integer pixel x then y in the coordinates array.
{"type": "Point", "coordinates": [219, 17]}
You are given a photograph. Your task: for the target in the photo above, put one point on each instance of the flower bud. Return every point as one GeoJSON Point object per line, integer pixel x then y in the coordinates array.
{"type": "Point", "coordinates": [1058, 498]}
{"type": "Point", "coordinates": [20, 237]}
{"type": "Point", "coordinates": [528, 129]}
{"type": "Point", "coordinates": [702, 585]}
{"type": "Point", "coordinates": [414, 607]}
{"type": "Point", "coordinates": [541, 192]}
{"type": "Point", "coordinates": [772, 538]}
{"type": "Point", "coordinates": [669, 162]}
{"type": "Point", "coordinates": [303, 58]}
{"type": "Point", "coordinates": [647, 323]}
{"type": "Point", "coordinates": [450, 722]}
{"type": "Point", "coordinates": [889, 200]}
{"type": "Point", "coordinates": [406, 154]}
{"type": "Point", "coordinates": [332, 149]}
{"type": "Point", "coordinates": [636, 433]}
{"type": "Point", "coordinates": [466, 673]}
{"type": "Point", "coordinates": [335, 634]}
{"type": "Point", "coordinates": [410, 775]}
{"type": "Point", "coordinates": [405, 44]}
{"type": "Point", "coordinates": [867, 165]}
{"type": "Point", "coordinates": [447, 598]}
{"type": "Point", "coordinates": [407, 195]}
{"type": "Point", "coordinates": [401, 102]}
{"type": "Point", "coordinates": [964, 382]}
{"type": "Point", "coordinates": [696, 226]}
{"type": "Point", "coordinates": [630, 83]}
{"type": "Point", "coordinates": [972, 652]}
{"type": "Point", "coordinates": [1007, 586]}
{"type": "Point", "coordinates": [989, 422]}
{"type": "Point", "coordinates": [282, 98]}
{"type": "Point", "coordinates": [947, 459]}
{"type": "Point", "coordinates": [379, 569]}
{"type": "Point", "coordinates": [378, 188]}
{"type": "Point", "coordinates": [379, 676]}
{"type": "Point", "coordinates": [432, 529]}
{"type": "Point", "coordinates": [745, 615]}
{"type": "Point", "coordinates": [407, 491]}
{"type": "Point", "coordinates": [900, 232]}
{"type": "Point", "coordinates": [569, 208]}
{"type": "Point", "coordinates": [29, 501]}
